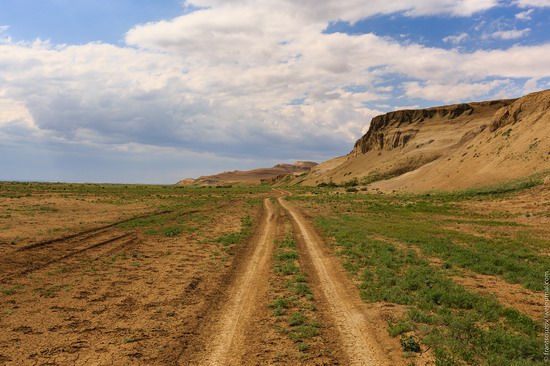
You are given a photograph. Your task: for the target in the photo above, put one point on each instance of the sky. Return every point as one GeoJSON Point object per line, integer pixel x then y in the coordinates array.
{"type": "Point", "coordinates": [141, 91]}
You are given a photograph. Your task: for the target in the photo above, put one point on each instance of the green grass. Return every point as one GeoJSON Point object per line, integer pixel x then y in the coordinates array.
{"type": "Point", "coordinates": [230, 238]}
{"type": "Point", "coordinates": [143, 222]}
{"type": "Point", "coordinates": [441, 309]}
{"type": "Point", "coordinates": [295, 307]}
{"type": "Point", "coordinates": [10, 290]}
{"type": "Point", "coordinates": [420, 221]}
{"type": "Point", "coordinates": [279, 306]}
{"type": "Point", "coordinates": [172, 231]}
{"type": "Point", "coordinates": [503, 189]}
{"type": "Point", "coordinates": [461, 326]}
{"type": "Point", "coordinates": [514, 259]}
{"type": "Point", "coordinates": [239, 237]}
{"type": "Point", "coordinates": [52, 291]}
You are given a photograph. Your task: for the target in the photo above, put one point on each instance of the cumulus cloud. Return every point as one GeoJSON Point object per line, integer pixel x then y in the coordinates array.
{"type": "Point", "coordinates": [511, 34]}
{"type": "Point", "coordinates": [222, 79]}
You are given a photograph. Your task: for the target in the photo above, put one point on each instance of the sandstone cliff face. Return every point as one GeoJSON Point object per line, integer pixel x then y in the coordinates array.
{"type": "Point", "coordinates": [533, 106]}
{"type": "Point", "coordinates": [450, 147]}
{"type": "Point", "coordinates": [397, 129]}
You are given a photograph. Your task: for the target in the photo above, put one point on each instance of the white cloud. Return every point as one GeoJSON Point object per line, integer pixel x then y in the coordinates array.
{"type": "Point", "coordinates": [451, 92]}
{"type": "Point", "coordinates": [14, 112]}
{"type": "Point", "coordinates": [525, 15]}
{"type": "Point", "coordinates": [354, 10]}
{"type": "Point", "coordinates": [530, 86]}
{"type": "Point", "coordinates": [511, 34]}
{"type": "Point", "coordinates": [220, 79]}
{"type": "Point", "coordinates": [456, 39]}
{"type": "Point", "coordinates": [514, 62]}
{"type": "Point", "coordinates": [533, 3]}
{"type": "Point", "coordinates": [405, 107]}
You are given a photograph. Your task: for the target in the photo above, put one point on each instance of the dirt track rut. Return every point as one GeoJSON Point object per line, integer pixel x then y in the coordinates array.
{"type": "Point", "coordinates": [344, 305]}
{"type": "Point", "coordinates": [226, 328]}
{"type": "Point", "coordinates": [228, 336]}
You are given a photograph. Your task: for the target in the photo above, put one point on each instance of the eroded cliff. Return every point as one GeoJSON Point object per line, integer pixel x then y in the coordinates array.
{"type": "Point", "coordinates": [448, 147]}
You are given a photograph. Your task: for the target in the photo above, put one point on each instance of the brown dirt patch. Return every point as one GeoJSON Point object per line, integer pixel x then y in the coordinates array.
{"type": "Point", "coordinates": [112, 296]}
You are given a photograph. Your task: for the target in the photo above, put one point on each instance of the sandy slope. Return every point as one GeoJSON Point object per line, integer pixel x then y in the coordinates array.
{"type": "Point", "coordinates": [255, 176]}
{"type": "Point", "coordinates": [451, 147]}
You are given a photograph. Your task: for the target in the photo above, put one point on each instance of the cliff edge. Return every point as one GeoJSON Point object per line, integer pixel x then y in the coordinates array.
{"type": "Point", "coordinates": [449, 147]}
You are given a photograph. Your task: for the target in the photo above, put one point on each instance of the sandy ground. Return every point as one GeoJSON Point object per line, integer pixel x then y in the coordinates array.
{"type": "Point", "coordinates": [102, 294]}
{"type": "Point", "coordinates": [99, 293]}
{"type": "Point", "coordinates": [226, 333]}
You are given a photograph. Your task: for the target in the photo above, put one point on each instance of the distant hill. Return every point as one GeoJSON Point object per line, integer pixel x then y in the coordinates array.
{"type": "Point", "coordinates": [255, 176]}
{"type": "Point", "coordinates": [449, 147]}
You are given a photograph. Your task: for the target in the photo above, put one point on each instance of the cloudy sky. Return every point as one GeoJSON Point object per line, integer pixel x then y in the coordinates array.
{"type": "Point", "coordinates": [156, 91]}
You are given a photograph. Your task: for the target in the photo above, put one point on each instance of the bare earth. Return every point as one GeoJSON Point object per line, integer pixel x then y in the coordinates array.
{"type": "Point", "coordinates": [91, 286]}
{"type": "Point", "coordinates": [102, 293]}
{"type": "Point", "coordinates": [226, 334]}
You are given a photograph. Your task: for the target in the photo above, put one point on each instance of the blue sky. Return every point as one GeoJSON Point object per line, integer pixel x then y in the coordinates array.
{"type": "Point", "coordinates": [432, 31]}
{"type": "Point", "coordinates": [155, 91]}
{"type": "Point", "coordinates": [82, 21]}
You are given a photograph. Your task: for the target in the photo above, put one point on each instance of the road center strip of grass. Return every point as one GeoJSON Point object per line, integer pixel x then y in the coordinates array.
{"type": "Point", "coordinates": [294, 308]}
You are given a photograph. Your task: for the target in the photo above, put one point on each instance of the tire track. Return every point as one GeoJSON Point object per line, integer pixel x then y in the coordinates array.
{"type": "Point", "coordinates": [21, 263]}
{"type": "Point", "coordinates": [89, 233]}
{"type": "Point", "coordinates": [39, 255]}
{"type": "Point", "coordinates": [344, 305]}
{"type": "Point", "coordinates": [227, 338]}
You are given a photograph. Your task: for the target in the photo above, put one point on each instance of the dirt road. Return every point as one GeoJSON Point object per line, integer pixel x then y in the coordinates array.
{"type": "Point", "coordinates": [227, 335]}
{"type": "Point", "coordinates": [356, 333]}
{"type": "Point", "coordinates": [112, 296]}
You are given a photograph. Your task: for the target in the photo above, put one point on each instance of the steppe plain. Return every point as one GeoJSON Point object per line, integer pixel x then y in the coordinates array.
{"type": "Point", "coordinates": [169, 275]}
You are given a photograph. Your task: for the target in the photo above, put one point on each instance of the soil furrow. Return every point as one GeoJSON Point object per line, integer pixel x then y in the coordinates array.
{"type": "Point", "coordinates": [357, 333]}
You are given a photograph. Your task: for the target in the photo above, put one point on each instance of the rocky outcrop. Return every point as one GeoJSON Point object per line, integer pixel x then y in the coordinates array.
{"type": "Point", "coordinates": [298, 166]}
{"type": "Point", "coordinates": [535, 104]}
{"type": "Point", "coordinates": [447, 148]}
{"type": "Point", "coordinates": [186, 182]}
{"type": "Point", "coordinates": [306, 165]}
{"type": "Point", "coordinates": [396, 129]}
